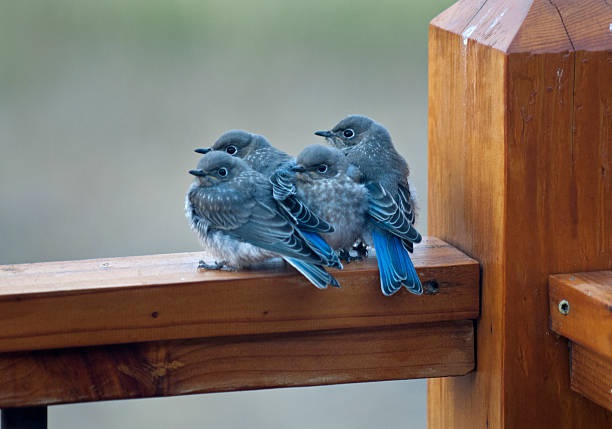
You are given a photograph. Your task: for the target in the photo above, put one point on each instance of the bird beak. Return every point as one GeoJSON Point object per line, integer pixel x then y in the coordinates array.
{"type": "Point", "coordinates": [203, 151]}
{"type": "Point", "coordinates": [298, 169]}
{"type": "Point", "coordinates": [198, 173]}
{"type": "Point", "coordinates": [325, 134]}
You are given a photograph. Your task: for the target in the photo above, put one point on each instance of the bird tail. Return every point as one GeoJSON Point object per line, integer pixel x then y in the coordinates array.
{"type": "Point", "coordinates": [315, 273]}
{"type": "Point", "coordinates": [394, 264]}
{"type": "Point", "coordinates": [320, 246]}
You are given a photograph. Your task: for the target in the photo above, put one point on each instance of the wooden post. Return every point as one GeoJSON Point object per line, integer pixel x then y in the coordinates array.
{"type": "Point", "coordinates": [520, 177]}
{"type": "Point", "coordinates": [24, 418]}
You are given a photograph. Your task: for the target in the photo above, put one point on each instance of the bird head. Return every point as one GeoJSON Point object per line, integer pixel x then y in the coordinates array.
{"type": "Point", "coordinates": [317, 162]}
{"type": "Point", "coordinates": [217, 167]}
{"type": "Point", "coordinates": [237, 143]}
{"type": "Point", "coordinates": [353, 130]}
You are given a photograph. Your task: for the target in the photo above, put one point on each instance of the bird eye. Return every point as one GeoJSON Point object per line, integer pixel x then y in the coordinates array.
{"type": "Point", "coordinates": [322, 168]}
{"type": "Point", "coordinates": [222, 172]}
{"type": "Point", "coordinates": [231, 150]}
{"type": "Point", "coordinates": [348, 133]}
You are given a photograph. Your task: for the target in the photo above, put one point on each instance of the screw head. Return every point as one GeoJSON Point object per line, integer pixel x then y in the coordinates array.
{"type": "Point", "coordinates": [564, 307]}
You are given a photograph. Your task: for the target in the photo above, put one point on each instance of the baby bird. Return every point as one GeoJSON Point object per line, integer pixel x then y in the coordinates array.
{"type": "Point", "coordinates": [231, 208]}
{"type": "Point", "coordinates": [256, 150]}
{"type": "Point", "coordinates": [367, 145]}
{"type": "Point", "coordinates": [323, 179]}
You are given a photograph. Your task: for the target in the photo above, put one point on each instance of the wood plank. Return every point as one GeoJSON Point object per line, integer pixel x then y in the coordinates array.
{"type": "Point", "coordinates": [591, 375]}
{"type": "Point", "coordinates": [161, 297]}
{"type": "Point", "coordinates": [589, 320]}
{"type": "Point", "coordinates": [466, 207]}
{"type": "Point", "coordinates": [235, 363]}
{"type": "Point", "coordinates": [520, 156]}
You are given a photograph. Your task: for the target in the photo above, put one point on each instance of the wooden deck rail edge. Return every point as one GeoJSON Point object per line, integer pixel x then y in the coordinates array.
{"type": "Point", "coordinates": [581, 310]}
{"type": "Point", "coordinates": [179, 367]}
{"type": "Point", "coordinates": [163, 297]}
{"type": "Point", "coordinates": [155, 326]}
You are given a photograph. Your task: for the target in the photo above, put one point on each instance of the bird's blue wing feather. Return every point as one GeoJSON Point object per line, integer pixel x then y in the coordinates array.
{"type": "Point", "coordinates": [316, 274]}
{"type": "Point", "coordinates": [282, 184]}
{"type": "Point", "coordinates": [404, 200]}
{"type": "Point", "coordinates": [320, 246]}
{"type": "Point", "coordinates": [284, 192]}
{"type": "Point", "coordinates": [385, 212]}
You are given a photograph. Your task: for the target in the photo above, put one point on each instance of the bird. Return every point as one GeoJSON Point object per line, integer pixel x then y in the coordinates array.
{"type": "Point", "coordinates": [231, 208]}
{"type": "Point", "coordinates": [368, 145]}
{"type": "Point", "coordinates": [255, 149]}
{"type": "Point", "coordinates": [264, 158]}
{"type": "Point", "coordinates": [323, 179]}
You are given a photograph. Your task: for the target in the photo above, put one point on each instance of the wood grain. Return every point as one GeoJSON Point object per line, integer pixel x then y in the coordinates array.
{"type": "Point", "coordinates": [235, 363]}
{"type": "Point", "coordinates": [520, 156]}
{"type": "Point", "coordinates": [161, 297]}
{"type": "Point", "coordinates": [466, 207]}
{"type": "Point", "coordinates": [589, 321]}
{"type": "Point", "coordinates": [592, 375]}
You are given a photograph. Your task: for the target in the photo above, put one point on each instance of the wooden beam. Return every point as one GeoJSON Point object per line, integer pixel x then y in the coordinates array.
{"type": "Point", "coordinates": [586, 313]}
{"type": "Point", "coordinates": [520, 158]}
{"type": "Point", "coordinates": [581, 310]}
{"type": "Point", "coordinates": [235, 363]}
{"type": "Point", "coordinates": [591, 375]}
{"type": "Point", "coordinates": [162, 297]}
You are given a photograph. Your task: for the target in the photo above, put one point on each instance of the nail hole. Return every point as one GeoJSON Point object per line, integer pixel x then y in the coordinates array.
{"type": "Point", "coordinates": [154, 315]}
{"type": "Point", "coordinates": [431, 287]}
{"type": "Point", "coordinates": [564, 307]}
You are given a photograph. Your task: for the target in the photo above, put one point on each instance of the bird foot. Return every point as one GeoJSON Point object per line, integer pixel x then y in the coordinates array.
{"type": "Point", "coordinates": [362, 249]}
{"type": "Point", "coordinates": [346, 256]}
{"type": "Point", "coordinates": [202, 265]}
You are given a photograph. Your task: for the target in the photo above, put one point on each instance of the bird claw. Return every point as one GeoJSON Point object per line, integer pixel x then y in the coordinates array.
{"type": "Point", "coordinates": [345, 256]}
{"type": "Point", "coordinates": [202, 265]}
{"type": "Point", "coordinates": [362, 250]}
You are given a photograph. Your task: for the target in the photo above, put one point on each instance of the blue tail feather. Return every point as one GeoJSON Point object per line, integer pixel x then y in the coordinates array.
{"type": "Point", "coordinates": [316, 274]}
{"type": "Point", "coordinates": [394, 264]}
{"type": "Point", "coordinates": [412, 282]}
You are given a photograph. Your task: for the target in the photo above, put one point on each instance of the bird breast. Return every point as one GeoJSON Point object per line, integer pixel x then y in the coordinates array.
{"type": "Point", "coordinates": [341, 202]}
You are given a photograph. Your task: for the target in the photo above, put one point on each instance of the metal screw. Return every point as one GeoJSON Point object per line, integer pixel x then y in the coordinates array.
{"type": "Point", "coordinates": [564, 307]}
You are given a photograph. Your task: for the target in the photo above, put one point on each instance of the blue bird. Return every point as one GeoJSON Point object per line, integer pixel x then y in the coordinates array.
{"type": "Point", "coordinates": [367, 145]}
{"type": "Point", "coordinates": [323, 180]}
{"type": "Point", "coordinates": [231, 208]}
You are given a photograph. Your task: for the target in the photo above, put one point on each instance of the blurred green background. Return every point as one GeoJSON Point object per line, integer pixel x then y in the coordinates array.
{"type": "Point", "coordinates": [102, 103]}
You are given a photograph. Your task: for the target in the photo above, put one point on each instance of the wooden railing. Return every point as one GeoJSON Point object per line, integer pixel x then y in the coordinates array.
{"type": "Point", "coordinates": [156, 326]}
{"type": "Point", "coordinates": [581, 310]}
{"type": "Point", "coordinates": [520, 178]}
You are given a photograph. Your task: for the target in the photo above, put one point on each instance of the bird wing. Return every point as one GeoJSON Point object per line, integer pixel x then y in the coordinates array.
{"type": "Point", "coordinates": [389, 215]}
{"type": "Point", "coordinates": [404, 200]}
{"type": "Point", "coordinates": [217, 210]}
{"type": "Point", "coordinates": [315, 273]}
{"type": "Point", "coordinates": [303, 244]}
{"type": "Point", "coordinates": [284, 193]}
{"type": "Point", "coordinates": [250, 214]}
{"type": "Point", "coordinates": [282, 184]}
